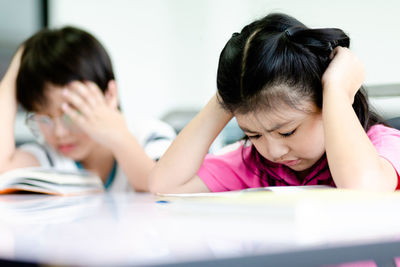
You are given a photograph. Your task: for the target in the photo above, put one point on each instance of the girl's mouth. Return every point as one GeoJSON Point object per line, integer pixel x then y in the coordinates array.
{"type": "Point", "coordinates": [291, 163]}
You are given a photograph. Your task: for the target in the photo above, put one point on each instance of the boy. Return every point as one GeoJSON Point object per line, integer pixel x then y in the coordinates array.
{"type": "Point", "coordinates": [64, 79]}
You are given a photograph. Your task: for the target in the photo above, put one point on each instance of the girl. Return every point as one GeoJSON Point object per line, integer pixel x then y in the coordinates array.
{"type": "Point", "coordinates": [295, 93]}
{"type": "Point", "coordinates": [64, 78]}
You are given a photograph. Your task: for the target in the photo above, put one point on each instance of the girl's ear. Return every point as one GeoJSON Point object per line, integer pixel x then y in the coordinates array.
{"type": "Point", "coordinates": [111, 94]}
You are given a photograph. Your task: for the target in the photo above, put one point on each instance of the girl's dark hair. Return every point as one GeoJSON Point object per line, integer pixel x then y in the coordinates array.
{"type": "Point", "coordinates": [59, 57]}
{"type": "Point", "coordinates": [278, 60]}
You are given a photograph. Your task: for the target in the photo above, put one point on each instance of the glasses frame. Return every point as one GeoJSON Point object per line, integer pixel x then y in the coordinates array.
{"type": "Point", "coordinates": [32, 122]}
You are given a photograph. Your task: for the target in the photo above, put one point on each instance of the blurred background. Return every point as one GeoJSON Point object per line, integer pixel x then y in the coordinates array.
{"type": "Point", "coordinates": [165, 52]}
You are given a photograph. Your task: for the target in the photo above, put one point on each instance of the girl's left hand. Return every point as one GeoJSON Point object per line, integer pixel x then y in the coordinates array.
{"type": "Point", "coordinates": [90, 110]}
{"type": "Point", "coordinates": [344, 75]}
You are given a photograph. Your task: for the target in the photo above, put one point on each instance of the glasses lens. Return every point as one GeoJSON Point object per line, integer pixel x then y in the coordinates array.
{"type": "Point", "coordinates": [33, 125]}
{"type": "Point", "coordinates": [39, 124]}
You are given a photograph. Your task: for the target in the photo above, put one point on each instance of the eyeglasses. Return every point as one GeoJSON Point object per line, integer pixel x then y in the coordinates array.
{"type": "Point", "coordinates": [42, 124]}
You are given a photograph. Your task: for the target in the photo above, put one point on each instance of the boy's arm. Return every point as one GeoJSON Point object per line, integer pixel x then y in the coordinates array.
{"type": "Point", "coordinates": [353, 160]}
{"type": "Point", "coordinates": [176, 171]}
{"type": "Point", "coordinates": [10, 157]}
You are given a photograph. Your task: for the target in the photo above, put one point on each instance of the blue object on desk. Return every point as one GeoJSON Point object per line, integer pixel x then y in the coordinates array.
{"type": "Point", "coordinates": [162, 201]}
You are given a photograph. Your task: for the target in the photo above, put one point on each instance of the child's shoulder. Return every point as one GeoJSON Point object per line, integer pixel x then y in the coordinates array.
{"type": "Point", "coordinates": [384, 136]}
{"type": "Point", "coordinates": [232, 149]}
{"type": "Point", "coordinates": [378, 130]}
{"type": "Point", "coordinates": [47, 156]}
{"type": "Point", "coordinates": [143, 127]}
{"type": "Point", "coordinates": [233, 154]}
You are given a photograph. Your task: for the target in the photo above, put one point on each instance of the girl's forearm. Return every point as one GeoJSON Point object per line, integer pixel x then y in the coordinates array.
{"type": "Point", "coordinates": [184, 157]}
{"type": "Point", "coordinates": [134, 161]}
{"type": "Point", "coordinates": [353, 160]}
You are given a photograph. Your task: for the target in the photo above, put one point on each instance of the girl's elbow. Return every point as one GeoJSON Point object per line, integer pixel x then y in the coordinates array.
{"type": "Point", "coordinates": [155, 189]}
{"type": "Point", "coordinates": [157, 184]}
{"type": "Point", "coordinates": [153, 184]}
{"type": "Point", "coordinates": [369, 181]}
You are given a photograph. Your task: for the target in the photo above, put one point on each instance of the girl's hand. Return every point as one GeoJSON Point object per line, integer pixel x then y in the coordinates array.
{"type": "Point", "coordinates": [344, 75]}
{"type": "Point", "coordinates": [96, 114]}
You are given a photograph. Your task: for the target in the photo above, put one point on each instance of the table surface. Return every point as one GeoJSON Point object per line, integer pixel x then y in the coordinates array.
{"type": "Point", "coordinates": [257, 227]}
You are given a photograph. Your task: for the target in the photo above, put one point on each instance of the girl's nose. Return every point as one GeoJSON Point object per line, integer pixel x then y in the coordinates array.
{"type": "Point", "coordinates": [277, 150]}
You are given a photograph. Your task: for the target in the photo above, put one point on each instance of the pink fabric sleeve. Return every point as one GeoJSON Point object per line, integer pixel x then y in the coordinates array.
{"type": "Point", "coordinates": [227, 172]}
{"type": "Point", "coordinates": [387, 143]}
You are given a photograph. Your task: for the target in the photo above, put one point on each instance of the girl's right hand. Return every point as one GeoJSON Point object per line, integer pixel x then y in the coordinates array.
{"type": "Point", "coordinates": [344, 75]}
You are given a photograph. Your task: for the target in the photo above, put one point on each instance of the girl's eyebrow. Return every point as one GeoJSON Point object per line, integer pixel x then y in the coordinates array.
{"type": "Point", "coordinates": [244, 129]}
{"type": "Point", "coordinates": [276, 127]}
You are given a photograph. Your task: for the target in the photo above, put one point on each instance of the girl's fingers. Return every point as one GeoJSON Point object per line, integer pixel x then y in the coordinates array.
{"type": "Point", "coordinates": [335, 52]}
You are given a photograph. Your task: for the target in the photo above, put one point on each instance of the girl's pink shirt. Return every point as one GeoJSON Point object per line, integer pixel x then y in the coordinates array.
{"type": "Point", "coordinates": [227, 171]}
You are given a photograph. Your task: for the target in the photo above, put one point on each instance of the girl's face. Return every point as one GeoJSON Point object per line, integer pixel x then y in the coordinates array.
{"type": "Point", "coordinates": [59, 131]}
{"type": "Point", "coordinates": [286, 135]}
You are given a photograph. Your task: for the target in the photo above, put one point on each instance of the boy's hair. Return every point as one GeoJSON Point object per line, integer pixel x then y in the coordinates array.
{"type": "Point", "coordinates": [278, 60]}
{"type": "Point", "coordinates": [58, 57]}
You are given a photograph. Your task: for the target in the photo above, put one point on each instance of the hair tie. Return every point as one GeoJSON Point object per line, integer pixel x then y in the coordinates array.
{"type": "Point", "coordinates": [333, 44]}
{"type": "Point", "coordinates": [289, 32]}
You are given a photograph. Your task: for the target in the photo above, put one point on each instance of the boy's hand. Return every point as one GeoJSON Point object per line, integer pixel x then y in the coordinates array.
{"type": "Point", "coordinates": [344, 75]}
{"type": "Point", "coordinates": [9, 79]}
{"type": "Point", "coordinates": [92, 112]}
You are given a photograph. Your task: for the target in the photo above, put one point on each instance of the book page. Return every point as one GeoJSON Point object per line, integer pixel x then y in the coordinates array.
{"type": "Point", "coordinates": [50, 175]}
{"type": "Point", "coordinates": [274, 189]}
{"type": "Point", "coordinates": [49, 181]}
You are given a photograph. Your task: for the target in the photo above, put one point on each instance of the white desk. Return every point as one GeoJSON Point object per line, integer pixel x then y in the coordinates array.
{"type": "Point", "coordinates": [266, 230]}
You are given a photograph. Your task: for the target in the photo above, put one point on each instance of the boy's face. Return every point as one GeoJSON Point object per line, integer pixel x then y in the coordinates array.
{"type": "Point", "coordinates": [286, 136]}
{"type": "Point", "coordinates": [60, 132]}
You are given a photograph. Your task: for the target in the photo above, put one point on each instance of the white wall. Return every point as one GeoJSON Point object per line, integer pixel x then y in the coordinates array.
{"type": "Point", "coordinates": [19, 19]}
{"type": "Point", "coordinates": [165, 52]}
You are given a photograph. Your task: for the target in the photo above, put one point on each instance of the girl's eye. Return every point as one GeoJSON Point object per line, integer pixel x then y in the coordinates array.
{"type": "Point", "coordinates": [254, 136]}
{"type": "Point", "coordinates": [287, 134]}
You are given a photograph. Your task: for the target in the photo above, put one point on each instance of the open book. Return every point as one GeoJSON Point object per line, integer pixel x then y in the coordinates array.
{"type": "Point", "coordinates": [248, 191]}
{"type": "Point", "coordinates": [249, 195]}
{"type": "Point", "coordinates": [49, 181]}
